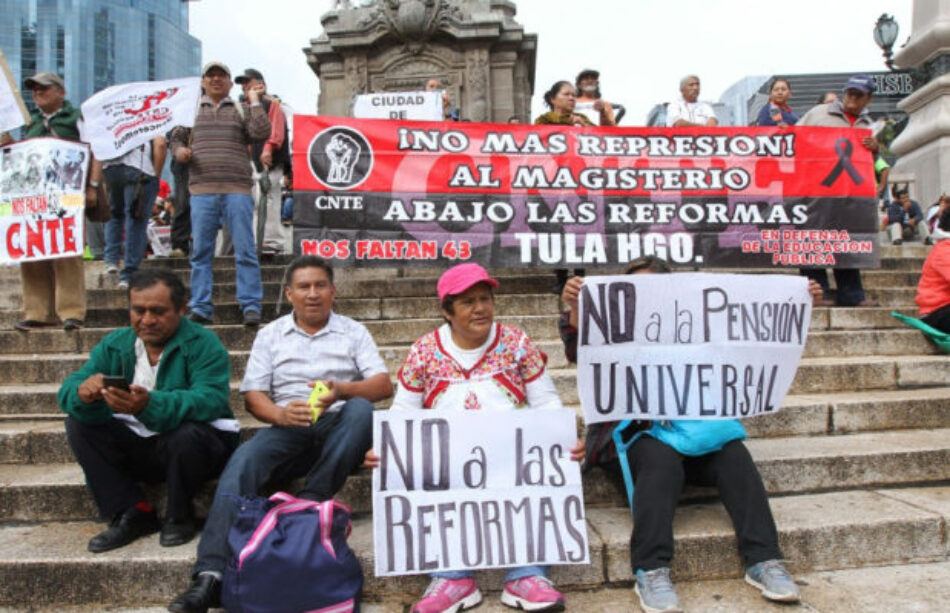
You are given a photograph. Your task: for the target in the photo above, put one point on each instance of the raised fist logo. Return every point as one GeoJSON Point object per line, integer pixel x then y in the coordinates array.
{"type": "Point", "coordinates": [340, 158]}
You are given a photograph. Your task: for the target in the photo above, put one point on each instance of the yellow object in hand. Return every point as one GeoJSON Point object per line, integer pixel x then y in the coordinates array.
{"type": "Point", "coordinates": [319, 389]}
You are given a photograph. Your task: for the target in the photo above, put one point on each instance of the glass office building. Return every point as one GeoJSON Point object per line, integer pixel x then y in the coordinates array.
{"type": "Point", "coordinates": [93, 44]}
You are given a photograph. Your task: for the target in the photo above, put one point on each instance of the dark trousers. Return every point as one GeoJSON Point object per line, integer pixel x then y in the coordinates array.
{"type": "Point", "coordinates": [847, 280]}
{"type": "Point", "coordinates": [115, 459]}
{"type": "Point", "coordinates": [181, 222]}
{"type": "Point", "coordinates": [939, 319]}
{"type": "Point", "coordinates": [326, 452]}
{"type": "Point", "coordinates": [659, 473]}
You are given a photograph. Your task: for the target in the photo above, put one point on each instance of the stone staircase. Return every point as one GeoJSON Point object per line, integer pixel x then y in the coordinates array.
{"type": "Point", "coordinates": [857, 463]}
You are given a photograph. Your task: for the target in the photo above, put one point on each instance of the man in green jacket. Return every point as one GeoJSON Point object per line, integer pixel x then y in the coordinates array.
{"type": "Point", "coordinates": [150, 404]}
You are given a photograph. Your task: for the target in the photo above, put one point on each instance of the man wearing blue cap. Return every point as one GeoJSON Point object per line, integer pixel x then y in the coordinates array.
{"type": "Point", "coordinates": [849, 112]}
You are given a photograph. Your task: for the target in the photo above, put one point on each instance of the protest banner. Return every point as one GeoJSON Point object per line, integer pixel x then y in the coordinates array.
{"type": "Point", "coordinates": [461, 490]}
{"type": "Point", "coordinates": [42, 199]}
{"type": "Point", "coordinates": [689, 345]}
{"type": "Point", "coordinates": [13, 113]}
{"type": "Point", "coordinates": [417, 106]}
{"type": "Point", "coordinates": [371, 192]}
{"type": "Point", "coordinates": [122, 117]}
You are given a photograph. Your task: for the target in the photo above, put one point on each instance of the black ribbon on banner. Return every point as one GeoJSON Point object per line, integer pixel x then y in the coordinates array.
{"type": "Point", "coordinates": [843, 149]}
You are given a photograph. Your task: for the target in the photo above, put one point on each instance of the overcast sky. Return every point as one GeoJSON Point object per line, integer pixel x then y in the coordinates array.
{"type": "Point", "coordinates": [641, 47]}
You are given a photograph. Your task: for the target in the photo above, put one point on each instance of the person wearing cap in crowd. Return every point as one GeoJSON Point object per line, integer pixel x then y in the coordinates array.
{"type": "Point", "coordinates": [688, 111]}
{"type": "Point", "coordinates": [55, 288]}
{"type": "Point", "coordinates": [216, 152]}
{"type": "Point", "coordinates": [472, 362]}
{"type": "Point", "coordinates": [848, 112]}
{"type": "Point", "coordinates": [312, 343]}
{"type": "Point", "coordinates": [589, 101]}
{"type": "Point", "coordinates": [268, 158]}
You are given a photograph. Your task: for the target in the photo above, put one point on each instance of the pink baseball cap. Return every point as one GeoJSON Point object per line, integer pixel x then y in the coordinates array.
{"type": "Point", "coordinates": [461, 277]}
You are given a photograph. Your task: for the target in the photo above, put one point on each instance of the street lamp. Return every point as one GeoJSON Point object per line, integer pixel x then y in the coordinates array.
{"type": "Point", "coordinates": [885, 35]}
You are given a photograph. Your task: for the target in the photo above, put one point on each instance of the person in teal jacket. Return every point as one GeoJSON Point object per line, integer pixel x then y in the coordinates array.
{"type": "Point", "coordinates": [150, 405]}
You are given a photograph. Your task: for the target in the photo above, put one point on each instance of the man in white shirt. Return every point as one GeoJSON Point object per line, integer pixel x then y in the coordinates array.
{"type": "Point", "coordinates": [688, 111]}
{"type": "Point", "coordinates": [288, 357]}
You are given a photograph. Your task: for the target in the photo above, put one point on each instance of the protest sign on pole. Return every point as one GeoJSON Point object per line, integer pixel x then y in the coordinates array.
{"type": "Point", "coordinates": [42, 199]}
{"type": "Point", "coordinates": [689, 345]}
{"type": "Point", "coordinates": [462, 490]}
{"type": "Point", "coordinates": [13, 113]}
{"type": "Point", "coordinates": [416, 106]}
{"type": "Point", "coordinates": [371, 192]}
{"type": "Point", "coordinates": [122, 117]}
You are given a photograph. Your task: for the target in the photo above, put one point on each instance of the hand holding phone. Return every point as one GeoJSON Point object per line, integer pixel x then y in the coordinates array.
{"type": "Point", "coordinates": [116, 382]}
{"type": "Point", "coordinates": [319, 389]}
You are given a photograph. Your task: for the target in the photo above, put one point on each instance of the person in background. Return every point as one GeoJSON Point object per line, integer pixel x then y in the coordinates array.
{"type": "Point", "coordinates": [472, 362]}
{"type": "Point", "coordinates": [181, 222]}
{"type": "Point", "coordinates": [448, 111]}
{"type": "Point", "coordinates": [688, 110]}
{"type": "Point", "coordinates": [287, 198]}
{"type": "Point", "coordinates": [514, 119]}
{"type": "Point", "coordinates": [905, 219]}
{"type": "Point", "coordinates": [933, 289]}
{"type": "Point", "coordinates": [132, 184]}
{"type": "Point", "coordinates": [561, 98]}
{"type": "Point", "coordinates": [55, 289]}
{"type": "Point", "coordinates": [268, 158]}
{"type": "Point", "coordinates": [589, 101]}
{"type": "Point", "coordinates": [827, 98]}
{"type": "Point", "coordinates": [777, 112]}
{"type": "Point", "coordinates": [850, 112]}
{"type": "Point", "coordinates": [220, 182]}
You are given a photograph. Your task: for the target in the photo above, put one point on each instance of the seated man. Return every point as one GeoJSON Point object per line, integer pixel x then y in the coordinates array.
{"type": "Point", "coordinates": [168, 420]}
{"type": "Point", "coordinates": [660, 470]}
{"type": "Point", "coordinates": [310, 344]}
{"type": "Point", "coordinates": [905, 219]}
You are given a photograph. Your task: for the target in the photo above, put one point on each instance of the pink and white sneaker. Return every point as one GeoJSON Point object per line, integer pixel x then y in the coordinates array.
{"type": "Point", "coordinates": [535, 593]}
{"type": "Point", "coordinates": [448, 596]}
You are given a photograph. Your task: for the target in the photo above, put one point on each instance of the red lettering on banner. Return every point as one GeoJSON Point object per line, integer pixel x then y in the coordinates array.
{"type": "Point", "coordinates": [52, 228]}
{"type": "Point", "coordinates": [326, 249]}
{"type": "Point", "coordinates": [13, 244]}
{"type": "Point", "coordinates": [69, 234]}
{"type": "Point", "coordinates": [396, 250]}
{"type": "Point", "coordinates": [34, 240]}
{"type": "Point", "coordinates": [28, 206]}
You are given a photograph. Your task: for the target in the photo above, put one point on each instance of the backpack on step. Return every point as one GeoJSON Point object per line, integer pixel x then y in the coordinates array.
{"type": "Point", "coordinates": [291, 556]}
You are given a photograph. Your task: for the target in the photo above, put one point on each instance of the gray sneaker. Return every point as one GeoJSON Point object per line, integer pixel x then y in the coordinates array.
{"type": "Point", "coordinates": [773, 580]}
{"type": "Point", "coordinates": [656, 591]}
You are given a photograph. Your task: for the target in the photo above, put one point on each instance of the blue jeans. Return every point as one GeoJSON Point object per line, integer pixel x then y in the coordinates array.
{"type": "Point", "coordinates": [122, 181]}
{"type": "Point", "coordinates": [326, 452]}
{"type": "Point", "coordinates": [208, 211]}
{"type": "Point", "coordinates": [512, 574]}
{"type": "Point", "coordinates": [848, 281]}
{"type": "Point", "coordinates": [287, 209]}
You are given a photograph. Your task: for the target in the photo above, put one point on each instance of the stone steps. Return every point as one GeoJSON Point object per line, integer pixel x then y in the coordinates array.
{"type": "Point", "coordinates": [923, 587]}
{"type": "Point", "coordinates": [54, 367]}
{"type": "Point", "coordinates": [56, 491]}
{"type": "Point", "coordinates": [45, 564]}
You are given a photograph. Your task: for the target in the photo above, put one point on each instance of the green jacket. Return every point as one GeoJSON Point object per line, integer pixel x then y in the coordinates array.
{"type": "Point", "coordinates": [192, 383]}
{"type": "Point", "coordinates": [63, 122]}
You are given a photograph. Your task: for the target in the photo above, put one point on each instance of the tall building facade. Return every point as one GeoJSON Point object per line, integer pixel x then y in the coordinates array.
{"type": "Point", "coordinates": [93, 44]}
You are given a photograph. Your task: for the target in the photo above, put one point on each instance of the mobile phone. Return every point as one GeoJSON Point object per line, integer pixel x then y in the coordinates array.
{"type": "Point", "coordinates": [319, 389]}
{"type": "Point", "coordinates": [117, 382]}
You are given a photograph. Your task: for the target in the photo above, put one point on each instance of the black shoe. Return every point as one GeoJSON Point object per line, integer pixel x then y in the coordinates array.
{"type": "Point", "coordinates": [30, 324]}
{"type": "Point", "coordinates": [199, 319]}
{"type": "Point", "coordinates": [124, 528]}
{"type": "Point", "coordinates": [176, 532]}
{"type": "Point", "coordinates": [252, 319]}
{"type": "Point", "coordinates": [73, 324]}
{"type": "Point", "coordinates": [204, 593]}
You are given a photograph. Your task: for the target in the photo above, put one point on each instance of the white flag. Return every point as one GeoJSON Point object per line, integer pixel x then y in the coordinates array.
{"type": "Point", "coordinates": [123, 117]}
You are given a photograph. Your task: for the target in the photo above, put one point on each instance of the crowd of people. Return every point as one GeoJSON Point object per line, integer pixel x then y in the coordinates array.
{"type": "Point", "coordinates": [151, 402]}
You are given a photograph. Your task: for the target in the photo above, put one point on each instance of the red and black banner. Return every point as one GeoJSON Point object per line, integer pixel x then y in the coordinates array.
{"type": "Point", "coordinates": [387, 192]}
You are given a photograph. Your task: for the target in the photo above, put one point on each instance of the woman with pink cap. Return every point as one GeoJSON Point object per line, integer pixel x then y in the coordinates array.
{"type": "Point", "coordinates": [473, 363]}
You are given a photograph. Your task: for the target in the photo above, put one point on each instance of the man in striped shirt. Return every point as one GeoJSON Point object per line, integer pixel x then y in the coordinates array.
{"type": "Point", "coordinates": [216, 152]}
